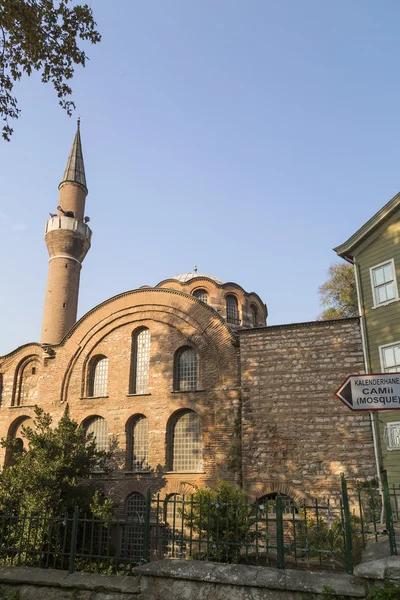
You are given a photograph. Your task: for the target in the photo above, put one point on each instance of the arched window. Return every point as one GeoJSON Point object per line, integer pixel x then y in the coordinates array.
{"type": "Point", "coordinates": [268, 503]}
{"type": "Point", "coordinates": [184, 442]}
{"type": "Point", "coordinates": [232, 311]}
{"type": "Point", "coordinates": [138, 443]}
{"type": "Point", "coordinates": [99, 427]}
{"type": "Point", "coordinates": [201, 295]}
{"type": "Point", "coordinates": [135, 506]}
{"type": "Point", "coordinates": [15, 432]}
{"type": "Point", "coordinates": [254, 315]}
{"type": "Point", "coordinates": [98, 376]}
{"type": "Point", "coordinates": [185, 369]}
{"type": "Point", "coordinates": [140, 361]}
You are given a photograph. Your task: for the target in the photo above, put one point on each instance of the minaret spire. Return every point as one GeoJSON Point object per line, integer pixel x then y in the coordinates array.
{"type": "Point", "coordinates": [67, 238]}
{"type": "Point", "coordinates": [75, 168]}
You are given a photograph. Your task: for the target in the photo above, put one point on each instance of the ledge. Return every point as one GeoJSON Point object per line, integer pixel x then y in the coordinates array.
{"type": "Point", "coordinates": [92, 397]}
{"type": "Point", "coordinates": [132, 395]}
{"type": "Point", "coordinates": [188, 391]}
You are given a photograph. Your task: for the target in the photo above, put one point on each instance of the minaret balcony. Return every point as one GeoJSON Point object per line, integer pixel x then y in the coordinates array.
{"type": "Point", "coordinates": [70, 224]}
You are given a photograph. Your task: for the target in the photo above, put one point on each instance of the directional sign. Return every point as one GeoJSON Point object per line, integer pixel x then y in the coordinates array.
{"type": "Point", "coordinates": [371, 392]}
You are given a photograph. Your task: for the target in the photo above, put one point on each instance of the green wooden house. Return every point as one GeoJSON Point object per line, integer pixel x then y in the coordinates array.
{"type": "Point", "coordinates": [375, 252]}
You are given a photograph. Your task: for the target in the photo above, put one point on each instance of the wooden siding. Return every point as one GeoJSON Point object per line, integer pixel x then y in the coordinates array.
{"type": "Point", "coordinates": [382, 324]}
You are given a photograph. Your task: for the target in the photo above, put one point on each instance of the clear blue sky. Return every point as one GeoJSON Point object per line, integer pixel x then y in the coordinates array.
{"type": "Point", "coordinates": [248, 137]}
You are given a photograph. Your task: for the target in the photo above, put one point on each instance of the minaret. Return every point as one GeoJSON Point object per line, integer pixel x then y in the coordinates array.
{"type": "Point", "coordinates": [67, 238]}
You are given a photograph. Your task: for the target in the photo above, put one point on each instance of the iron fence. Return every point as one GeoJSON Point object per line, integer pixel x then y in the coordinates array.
{"type": "Point", "coordinates": [273, 531]}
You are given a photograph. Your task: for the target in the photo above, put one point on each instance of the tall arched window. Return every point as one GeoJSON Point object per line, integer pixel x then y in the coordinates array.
{"type": "Point", "coordinates": [254, 315]}
{"type": "Point", "coordinates": [140, 361]}
{"type": "Point", "coordinates": [201, 295]}
{"type": "Point", "coordinates": [185, 369]}
{"type": "Point", "coordinates": [99, 427]}
{"type": "Point", "coordinates": [98, 376]}
{"type": "Point", "coordinates": [232, 311]}
{"type": "Point", "coordinates": [184, 442]}
{"type": "Point", "coordinates": [138, 443]}
{"type": "Point", "coordinates": [135, 506]}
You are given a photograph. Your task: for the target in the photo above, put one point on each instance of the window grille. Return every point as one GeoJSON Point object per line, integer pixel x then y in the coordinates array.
{"type": "Point", "coordinates": [185, 442]}
{"type": "Point", "coordinates": [390, 356]}
{"type": "Point", "coordinates": [392, 435]}
{"type": "Point", "coordinates": [140, 362]}
{"type": "Point", "coordinates": [268, 502]}
{"type": "Point", "coordinates": [232, 311]}
{"type": "Point", "coordinates": [138, 444]}
{"type": "Point", "coordinates": [99, 427]}
{"type": "Point", "coordinates": [254, 315]}
{"type": "Point", "coordinates": [98, 376]}
{"type": "Point", "coordinates": [185, 376]}
{"type": "Point", "coordinates": [201, 295]}
{"type": "Point", "coordinates": [132, 532]}
{"type": "Point", "coordinates": [384, 283]}
{"type": "Point", "coordinates": [135, 506]}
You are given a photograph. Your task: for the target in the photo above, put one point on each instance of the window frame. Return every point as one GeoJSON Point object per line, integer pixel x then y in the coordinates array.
{"type": "Point", "coordinates": [203, 291]}
{"type": "Point", "coordinates": [172, 423]}
{"type": "Point", "coordinates": [176, 384]}
{"type": "Point", "coordinates": [231, 320]}
{"type": "Point", "coordinates": [376, 303]}
{"type": "Point", "coordinates": [382, 356]}
{"type": "Point", "coordinates": [392, 425]}
{"type": "Point", "coordinates": [133, 382]}
{"type": "Point", "coordinates": [131, 461]}
{"type": "Point", "coordinates": [91, 375]}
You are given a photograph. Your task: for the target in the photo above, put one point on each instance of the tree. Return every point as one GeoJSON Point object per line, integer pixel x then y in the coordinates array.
{"type": "Point", "coordinates": [223, 519]}
{"type": "Point", "coordinates": [41, 35]}
{"type": "Point", "coordinates": [49, 469]}
{"type": "Point", "coordinates": [339, 293]}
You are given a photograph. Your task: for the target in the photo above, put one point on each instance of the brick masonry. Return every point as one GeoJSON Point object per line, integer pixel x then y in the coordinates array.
{"type": "Point", "coordinates": [297, 436]}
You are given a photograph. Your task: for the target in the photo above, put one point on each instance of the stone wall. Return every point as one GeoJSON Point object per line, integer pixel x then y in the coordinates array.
{"type": "Point", "coordinates": [180, 580]}
{"type": "Point", "coordinates": [297, 436]}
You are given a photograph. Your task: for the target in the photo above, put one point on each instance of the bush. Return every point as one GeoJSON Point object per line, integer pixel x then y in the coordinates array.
{"type": "Point", "coordinates": [223, 521]}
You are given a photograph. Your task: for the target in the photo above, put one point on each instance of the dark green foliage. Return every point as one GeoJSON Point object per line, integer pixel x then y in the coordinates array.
{"type": "Point", "coordinates": [390, 591]}
{"type": "Point", "coordinates": [48, 471]}
{"type": "Point", "coordinates": [223, 519]}
{"type": "Point", "coordinates": [41, 35]}
{"type": "Point", "coordinates": [339, 293]}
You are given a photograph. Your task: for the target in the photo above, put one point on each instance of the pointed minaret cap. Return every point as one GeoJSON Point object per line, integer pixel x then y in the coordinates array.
{"type": "Point", "coordinates": [75, 168]}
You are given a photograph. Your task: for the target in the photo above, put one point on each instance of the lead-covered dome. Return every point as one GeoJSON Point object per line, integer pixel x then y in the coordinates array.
{"type": "Point", "coordinates": [184, 277]}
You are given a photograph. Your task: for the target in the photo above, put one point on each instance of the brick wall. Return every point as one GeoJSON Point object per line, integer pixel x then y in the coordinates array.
{"type": "Point", "coordinates": [297, 436]}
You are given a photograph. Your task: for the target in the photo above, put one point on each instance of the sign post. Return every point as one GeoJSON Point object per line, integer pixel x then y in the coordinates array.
{"type": "Point", "coordinates": [371, 392]}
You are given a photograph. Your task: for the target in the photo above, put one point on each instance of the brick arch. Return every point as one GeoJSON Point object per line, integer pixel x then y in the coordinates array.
{"type": "Point", "coordinates": [298, 496]}
{"type": "Point", "coordinates": [13, 432]}
{"type": "Point", "coordinates": [30, 359]}
{"type": "Point", "coordinates": [119, 493]}
{"type": "Point", "coordinates": [195, 320]}
{"type": "Point", "coordinates": [179, 487]}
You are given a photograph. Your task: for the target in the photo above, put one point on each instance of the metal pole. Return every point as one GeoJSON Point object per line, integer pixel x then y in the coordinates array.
{"type": "Point", "coordinates": [280, 548]}
{"type": "Point", "coordinates": [74, 533]}
{"type": "Point", "coordinates": [146, 532]}
{"type": "Point", "coordinates": [348, 547]}
{"type": "Point", "coordinates": [389, 516]}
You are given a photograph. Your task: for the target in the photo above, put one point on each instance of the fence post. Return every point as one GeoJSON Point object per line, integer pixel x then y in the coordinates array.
{"type": "Point", "coordinates": [146, 530]}
{"type": "Point", "coordinates": [389, 515]}
{"type": "Point", "coordinates": [74, 534]}
{"type": "Point", "coordinates": [280, 548]}
{"type": "Point", "coordinates": [348, 545]}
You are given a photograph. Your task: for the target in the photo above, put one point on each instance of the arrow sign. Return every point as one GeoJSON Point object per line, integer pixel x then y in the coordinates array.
{"type": "Point", "coordinates": [371, 392]}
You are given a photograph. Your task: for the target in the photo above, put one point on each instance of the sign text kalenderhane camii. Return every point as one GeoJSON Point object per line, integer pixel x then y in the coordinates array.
{"type": "Point", "coordinates": [371, 392]}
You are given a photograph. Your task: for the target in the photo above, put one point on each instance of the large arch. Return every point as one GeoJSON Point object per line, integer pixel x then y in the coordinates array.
{"type": "Point", "coordinates": [199, 323]}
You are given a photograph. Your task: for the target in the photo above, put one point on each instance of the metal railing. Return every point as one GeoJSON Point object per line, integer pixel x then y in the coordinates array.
{"type": "Point", "coordinates": [320, 534]}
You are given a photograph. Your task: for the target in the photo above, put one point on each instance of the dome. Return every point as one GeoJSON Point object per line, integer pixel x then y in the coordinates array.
{"type": "Point", "coordinates": [184, 277]}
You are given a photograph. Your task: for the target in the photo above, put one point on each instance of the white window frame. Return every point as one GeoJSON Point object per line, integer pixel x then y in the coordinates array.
{"type": "Point", "coordinates": [382, 356]}
{"type": "Point", "coordinates": [373, 286]}
{"type": "Point", "coordinates": [389, 428]}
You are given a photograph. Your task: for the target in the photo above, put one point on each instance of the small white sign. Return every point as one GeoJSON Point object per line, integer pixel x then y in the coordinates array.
{"type": "Point", "coordinates": [371, 392]}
